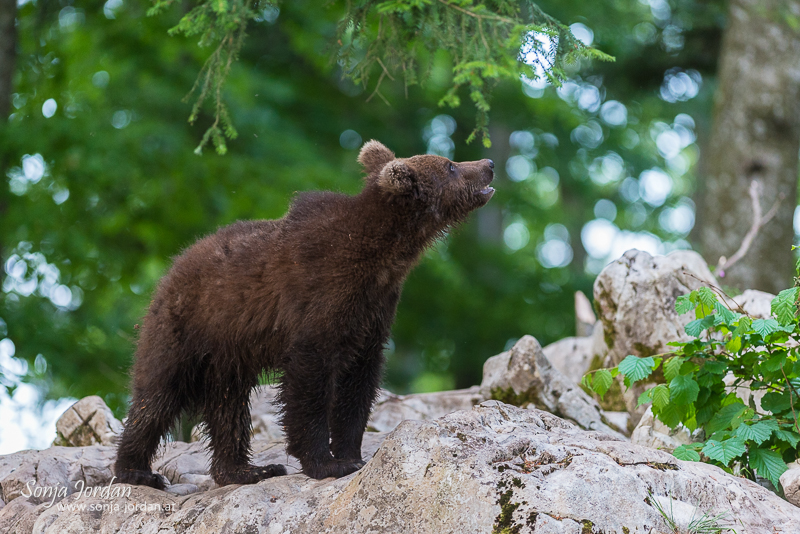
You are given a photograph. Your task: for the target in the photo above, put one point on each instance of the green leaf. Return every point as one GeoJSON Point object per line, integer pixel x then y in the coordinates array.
{"type": "Point", "coordinates": [696, 327]}
{"type": "Point", "coordinates": [660, 396]}
{"type": "Point", "coordinates": [602, 382]}
{"type": "Point", "coordinates": [765, 326]}
{"type": "Point", "coordinates": [715, 367]}
{"type": "Point", "coordinates": [745, 324]}
{"type": "Point", "coordinates": [725, 315]}
{"type": "Point", "coordinates": [784, 306]}
{"type": "Point", "coordinates": [683, 389]}
{"type": "Point", "coordinates": [706, 297]}
{"type": "Point", "coordinates": [776, 402]}
{"type": "Point", "coordinates": [684, 304]}
{"type": "Point", "coordinates": [787, 436]}
{"type": "Point", "coordinates": [775, 361]}
{"type": "Point", "coordinates": [671, 414]}
{"type": "Point", "coordinates": [673, 367]}
{"type": "Point", "coordinates": [635, 368]}
{"type": "Point", "coordinates": [685, 452]}
{"type": "Point", "coordinates": [724, 451]}
{"type": "Point", "coordinates": [723, 418]}
{"type": "Point", "coordinates": [734, 345]}
{"type": "Point", "coordinates": [768, 464]}
{"type": "Point", "coordinates": [758, 432]}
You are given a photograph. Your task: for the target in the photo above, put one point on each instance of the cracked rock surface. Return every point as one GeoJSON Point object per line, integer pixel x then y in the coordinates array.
{"type": "Point", "coordinates": [487, 469]}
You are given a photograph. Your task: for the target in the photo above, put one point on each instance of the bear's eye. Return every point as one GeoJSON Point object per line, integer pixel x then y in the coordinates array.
{"type": "Point", "coordinates": [452, 168]}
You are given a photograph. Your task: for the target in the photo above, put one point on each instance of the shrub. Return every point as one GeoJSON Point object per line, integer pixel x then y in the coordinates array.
{"type": "Point", "coordinates": [730, 351]}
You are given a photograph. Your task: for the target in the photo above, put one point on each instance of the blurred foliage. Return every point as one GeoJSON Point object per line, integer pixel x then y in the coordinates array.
{"type": "Point", "coordinates": [402, 34]}
{"type": "Point", "coordinates": [103, 186]}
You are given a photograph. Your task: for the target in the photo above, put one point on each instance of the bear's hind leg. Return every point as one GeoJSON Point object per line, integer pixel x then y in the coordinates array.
{"type": "Point", "coordinates": [227, 418]}
{"type": "Point", "coordinates": [149, 419]}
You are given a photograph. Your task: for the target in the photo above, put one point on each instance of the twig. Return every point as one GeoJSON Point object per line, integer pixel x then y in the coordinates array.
{"type": "Point", "coordinates": [384, 68]}
{"type": "Point", "coordinates": [758, 222]}
{"type": "Point", "coordinates": [719, 292]}
{"type": "Point", "coordinates": [791, 399]}
{"type": "Point", "coordinates": [477, 16]}
{"type": "Point", "coordinates": [377, 86]}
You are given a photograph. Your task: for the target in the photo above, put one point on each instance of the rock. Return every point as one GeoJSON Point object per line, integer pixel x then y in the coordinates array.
{"type": "Point", "coordinates": [56, 467]}
{"type": "Point", "coordinates": [495, 468]}
{"type": "Point", "coordinates": [390, 410]}
{"type": "Point", "coordinates": [585, 318]}
{"type": "Point", "coordinates": [618, 420]}
{"type": "Point", "coordinates": [790, 482]}
{"type": "Point", "coordinates": [650, 432]}
{"type": "Point", "coordinates": [755, 303]}
{"type": "Point", "coordinates": [571, 356]}
{"type": "Point", "coordinates": [87, 422]}
{"type": "Point", "coordinates": [525, 376]}
{"type": "Point", "coordinates": [635, 297]}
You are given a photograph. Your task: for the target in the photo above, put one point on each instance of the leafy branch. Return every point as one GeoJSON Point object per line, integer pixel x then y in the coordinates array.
{"type": "Point", "coordinates": [222, 22]}
{"type": "Point", "coordinates": [487, 42]}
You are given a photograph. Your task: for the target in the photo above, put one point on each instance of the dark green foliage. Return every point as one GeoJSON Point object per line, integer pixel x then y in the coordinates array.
{"type": "Point", "coordinates": [486, 41]}
{"type": "Point", "coordinates": [760, 354]}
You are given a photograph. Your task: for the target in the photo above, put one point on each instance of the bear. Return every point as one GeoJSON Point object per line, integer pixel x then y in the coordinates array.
{"type": "Point", "coordinates": [311, 297]}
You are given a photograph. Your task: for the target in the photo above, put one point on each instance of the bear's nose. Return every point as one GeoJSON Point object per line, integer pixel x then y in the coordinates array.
{"type": "Point", "coordinates": [491, 164]}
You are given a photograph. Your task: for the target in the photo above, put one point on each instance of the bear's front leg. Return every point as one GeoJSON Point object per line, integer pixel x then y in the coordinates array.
{"type": "Point", "coordinates": [307, 394]}
{"type": "Point", "coordinates": [356, 390]}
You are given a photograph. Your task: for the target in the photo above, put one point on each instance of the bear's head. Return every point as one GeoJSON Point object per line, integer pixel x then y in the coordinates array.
{"type": "Point", "coordinates": [429, 184]}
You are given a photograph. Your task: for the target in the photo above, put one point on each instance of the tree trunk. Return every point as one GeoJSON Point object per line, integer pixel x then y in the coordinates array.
{"type": "Point", "coordinates": [755, 136]}
{"type": "Point", "coordinates": [8, 53]}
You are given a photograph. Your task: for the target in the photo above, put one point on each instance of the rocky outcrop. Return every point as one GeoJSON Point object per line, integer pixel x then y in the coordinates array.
{"type": "Point", "coordinates": [650, 432]}
{"type": "Point", "coordinates": [790, 482]}
{"type": "Point", "coordinates": [87, 422]}
{"type": "Point", "coordinates": [523, 376]}
{"type": "Point", "coordinates": [494, 468]}
{"type": "Point", "coordinates": [390, 410]}
{"type": "Point", "coordinates": [635, 297]}
{"type": "Point", "coordinates": [755, 303]}
{"type": "Point", "coordinates": [573, 356]}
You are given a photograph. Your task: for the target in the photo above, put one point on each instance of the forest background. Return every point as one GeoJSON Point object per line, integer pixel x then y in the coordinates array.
{"type": "Point", "coordinates": [104, 186]}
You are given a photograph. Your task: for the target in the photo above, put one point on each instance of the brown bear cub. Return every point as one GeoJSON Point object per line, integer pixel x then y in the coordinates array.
{"type": "Point", "coordinates": [313, 296]}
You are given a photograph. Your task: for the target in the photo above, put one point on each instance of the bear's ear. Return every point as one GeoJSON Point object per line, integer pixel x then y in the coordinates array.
{"type": "Point", "coordinates": [396, 177]}
{"type": "Point", "coordinates": [374, 155]}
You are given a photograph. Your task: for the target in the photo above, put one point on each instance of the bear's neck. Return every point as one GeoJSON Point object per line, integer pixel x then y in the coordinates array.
{"type": "Point", "coordinates": [392, 228]}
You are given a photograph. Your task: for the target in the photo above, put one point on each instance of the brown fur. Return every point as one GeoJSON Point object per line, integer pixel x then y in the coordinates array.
{"type": "Point", "coordinates": [313, 296]}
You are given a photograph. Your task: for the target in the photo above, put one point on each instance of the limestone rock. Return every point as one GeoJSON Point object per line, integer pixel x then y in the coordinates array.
{"type": "Point", "coordinates": [87, 422]}
{"type": "Point", "coordinates": [790, 482]}
{"type": "Point", "coordinates": [650, 432]}
{"type": "Point", "coordinates": [571, 356]}
{"type": "Point", "coordinates": [585, 318]}
{"type": "Point", "coordinates": [636, 299]}
{"type": "Point", "coordinates": [524, 376]}
{"type": "Point", "coordinates": [390, 410]}
{"type": "Point", "coordinates": [491, 468]}
{"type": "Point", "coordinates": [755, 303]}
{"type": "Point", "coordinates": [635, 296]}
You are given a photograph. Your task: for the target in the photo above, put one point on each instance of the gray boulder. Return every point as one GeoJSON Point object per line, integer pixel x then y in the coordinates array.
{"type": "Point", "coordinates": [523, 376]}
{"type": "Point", "coordinates": [635, 297]}
{"type": "Point", "coordinates": [87, 422]}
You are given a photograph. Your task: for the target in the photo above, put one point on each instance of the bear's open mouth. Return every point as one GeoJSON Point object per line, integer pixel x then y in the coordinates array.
{"type": "Point", "coordinates": [486, 190]}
